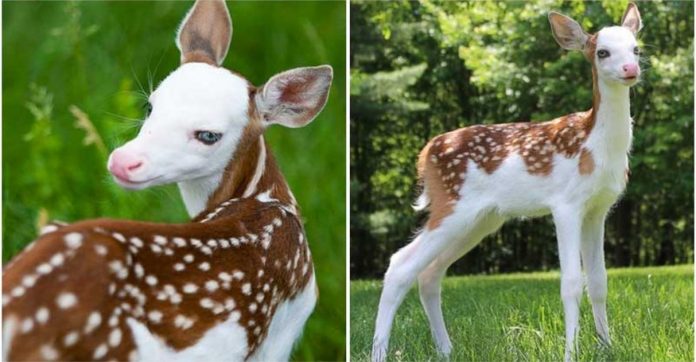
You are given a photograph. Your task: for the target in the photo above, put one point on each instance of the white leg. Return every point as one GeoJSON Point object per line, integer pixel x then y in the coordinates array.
{"type": "Point", "coordinates": [430, 281]}
{"type": "Point", "coordinates": [568, 222]}
{"type": "Point", "coordinates": [429, 287]}
{"type": "Point", "coordinates": [406, 265]}
{"type": "Point", "coordinates": [593, 262]}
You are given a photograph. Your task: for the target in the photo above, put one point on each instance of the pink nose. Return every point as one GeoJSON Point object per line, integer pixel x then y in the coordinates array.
{"type": "Point", "coordinates": [631, 70]}
{"type": "Point", "coordinates": [123, 164]}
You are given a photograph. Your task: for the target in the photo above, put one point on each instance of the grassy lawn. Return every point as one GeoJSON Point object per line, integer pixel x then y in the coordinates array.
{"type": "Point", "coordinates": [520, 317]}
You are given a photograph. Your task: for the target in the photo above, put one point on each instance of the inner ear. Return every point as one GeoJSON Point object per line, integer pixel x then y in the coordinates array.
{"type": "Point", "coordinates": [205, 33]}
{"type": "Point", "coordinates": [293, 98]}
{"type": "Point", "coordinates": [631, 19]}
{"type": "Point", "coordinates": [567, 32]}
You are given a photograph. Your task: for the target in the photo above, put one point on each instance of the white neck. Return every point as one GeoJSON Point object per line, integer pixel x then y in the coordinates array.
{"type": "Point", "coordinates": [197, 192]}
{"type": "Point", "coordinates": [613, 118]}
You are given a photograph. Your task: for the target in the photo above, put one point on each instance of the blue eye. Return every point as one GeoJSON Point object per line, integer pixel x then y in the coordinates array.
{"type": "Point", "coordinates": [207, 137]}
{"type": "Point", "coordinates": [602, 53]}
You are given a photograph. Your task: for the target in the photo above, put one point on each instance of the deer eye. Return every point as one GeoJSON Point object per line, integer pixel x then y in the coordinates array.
{"type": "Point", "coordinates": [636, 51]}
{"type": "Point", "coordinates": [602, 53]}
{"type": "Point", "coordinates": [207, 137]}
{"type": "Point", "coordinates": [147, 107]}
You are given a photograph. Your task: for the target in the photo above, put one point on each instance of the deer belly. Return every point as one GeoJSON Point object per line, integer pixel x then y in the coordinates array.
{"type": "Point", "coordinates": [225, 342]}
{"type": "Point", "coordinates": [287, 325]}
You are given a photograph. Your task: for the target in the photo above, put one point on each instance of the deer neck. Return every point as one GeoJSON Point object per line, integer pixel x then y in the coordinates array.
{"type": "Point", "coordinates": [612, 117]}
{"type": "Point", "coordinates": [251, 172]}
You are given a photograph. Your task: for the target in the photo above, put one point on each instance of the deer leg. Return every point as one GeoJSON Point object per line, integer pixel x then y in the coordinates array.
{"type": "Point", "coordinates": [593, 262]}
{"type": "Point", "coordinates": [407, 264]}
{"type": "Point", "coordinates": [568, 232]}
{"type": "Point", "coordinates": [430, 282]}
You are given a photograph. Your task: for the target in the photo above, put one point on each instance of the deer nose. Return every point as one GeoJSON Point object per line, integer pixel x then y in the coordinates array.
{"type": "Point", "coordinates": [124, 164]}
{"type": "Point", "coordinates": [631, 70]}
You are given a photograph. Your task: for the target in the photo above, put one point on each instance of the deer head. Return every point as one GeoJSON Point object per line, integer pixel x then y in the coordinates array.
{"type": "Point", "coordinates": [202, 114]}
{"type": "Point", "coordinates": [613, 51]}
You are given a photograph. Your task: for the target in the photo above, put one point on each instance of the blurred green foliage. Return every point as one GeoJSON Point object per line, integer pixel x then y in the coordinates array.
{"type": "Point", "coordinates": [423, 68]}
{"type": "Point", "coordinates": [103, 58]}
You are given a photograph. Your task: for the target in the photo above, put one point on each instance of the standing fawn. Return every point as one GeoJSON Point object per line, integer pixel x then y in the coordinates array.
{"type": "Point", "coordinates": [574, 167]}
{"type": "Point", "coordinates": [235, 283]}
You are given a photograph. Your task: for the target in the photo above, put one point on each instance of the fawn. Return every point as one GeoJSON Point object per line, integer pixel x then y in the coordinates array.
{"type": "Point", "coordinates": [574, 167]}
{"type": "Point", "coordinates": [236, 282]}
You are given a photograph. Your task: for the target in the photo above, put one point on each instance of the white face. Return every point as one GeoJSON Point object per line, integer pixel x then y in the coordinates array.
{"type": "Point", "coordinates": [617, 55]}
{"type": "Point", "coordinates": [198, 115]}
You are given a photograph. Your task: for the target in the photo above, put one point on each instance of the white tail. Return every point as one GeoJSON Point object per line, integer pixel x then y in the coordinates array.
{"type": "Point", "coordinates": [574, 167]}
{"type": "Point", "coordinates": [235, 283]}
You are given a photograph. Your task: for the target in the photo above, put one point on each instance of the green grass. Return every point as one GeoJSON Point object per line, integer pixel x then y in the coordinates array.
{"type": "Point", "coordinates": [520, 317]}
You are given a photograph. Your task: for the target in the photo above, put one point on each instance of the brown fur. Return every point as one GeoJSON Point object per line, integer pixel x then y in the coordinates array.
{"type": "Point", "coordinates": [442, 164]}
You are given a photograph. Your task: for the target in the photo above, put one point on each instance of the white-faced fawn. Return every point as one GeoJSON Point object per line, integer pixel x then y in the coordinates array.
{"type": "Point", "coordinates": [574, 167]}
{"type": "Point", "coordinates": [235, 283]}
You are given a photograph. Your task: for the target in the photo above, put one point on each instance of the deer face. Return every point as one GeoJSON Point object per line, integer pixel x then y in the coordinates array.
{"type": "Point", "coordinates": [613, 51]}
{"type": "Point", "coordinates": [197, 116]}
{"type": "Point", "coordinates": [616, 56]}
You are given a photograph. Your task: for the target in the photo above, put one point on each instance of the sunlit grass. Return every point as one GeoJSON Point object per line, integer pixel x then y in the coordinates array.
{"type": "Point", "coordinates": [519, 317]}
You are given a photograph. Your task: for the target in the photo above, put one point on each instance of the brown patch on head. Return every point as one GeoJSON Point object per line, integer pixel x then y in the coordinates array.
{"type": "Point", "coordinates": [586, 164]}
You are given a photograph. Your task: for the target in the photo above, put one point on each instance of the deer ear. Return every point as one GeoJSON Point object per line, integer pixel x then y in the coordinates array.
{"type": "Point", "coordinates": [293, 98]}
{"type": "Point", "coordinates": [567, 32]}
{"type": "Point", "coordinates": [205, 33]}
{"type": "Point", "coordinates": [631, 19]}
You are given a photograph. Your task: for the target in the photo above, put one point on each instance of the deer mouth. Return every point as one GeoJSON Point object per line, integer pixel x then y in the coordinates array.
{"type": "Point", "coordinates": [127, 183]}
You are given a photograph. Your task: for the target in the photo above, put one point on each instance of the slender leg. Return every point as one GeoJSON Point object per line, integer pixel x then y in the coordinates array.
{"type": "Point", "coordinates": [430, 280]}
{"type": "Point", "coordinates": [429, 286]}
{"type": "Point", "coordinates": [404, 268]}
{"type": "Point", "coordinates": [568, 222]}
{"type": "Point", "coordinates": [593, 262]}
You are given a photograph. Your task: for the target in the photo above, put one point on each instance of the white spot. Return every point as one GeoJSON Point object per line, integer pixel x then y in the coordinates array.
{"type": "Point", "coordinates": [139, 271]}
{"type": "Point", "coordinates": [17, 291]}
{"type": "Point", "coordinates": [100, 249]}
{"type": "Point", "coordinates": [66, 300]}
{"type": "Point", "coordinates": [207, 303]}
{"type": "Point", "coordinates": [259, 297]}
{"type": "Point", "coordinates": [115, 337]}
{"type": "Point", "coordinates": [73, 240]}
{"type": "Point", "coordinates": [188, 258]}
{"type": "Point", "coordinates": [155, 316]}
{"type": "Point", "coordinates": [156, 248]}
{"type": "Point", "coordinates": [44, 268]}
{"type": "Point", "coordinates": [137, 242]}
{"type": "Point", "coordinates": [225, 277]}
{"type": "Point", "coordinates": [57, 259]}
{"type": "Point", "coordinates": [204, 266]}
{"type": "Point", "coordinates": [190, 288]}
{"type": "Point", "coordinates": [27, 325]}
{"type": "Point", "coordinates": [48, 352]}
{"type": "Point", "coordinates": [119, 237]}
{"type": "Point", "coordinates": [238, 275]}
{"type": "Point", "coordinates": [29, 280]}
{"type": "Point", "coordinates": [246, 289]}
{"type": "Point", "coordinates": [180, 242]}
{"type": "Point", "coordinates": [224, 243]}
{"type": "Point", "coordinates": [252, 307]}
{"type": "Point", "coordinates": [161, 240]}
{"type": "Point", "coordinates": [179, 267]}
{"type": "Point", "coordinates": [100, 351]}
{"type": "Point", "coordinates": [151, 280]}
{"type": "Point", "coordinates": [206, 250]}
{"type": "Point", "coordinates": [212, 243]}
{"type": "Point", "coordinates": [93, 321]}
{"type": "Point", "coordinates": [42, 315]}
{"type": "Point", "coordinates": [229, 304]}
{"type": "Point", "coordinates": [48, 229]}
{"type": "Point", "coordinates": [211, 285]}
{"type": "Point", "coordinates": [183, 322]}
{"type": "Point", "coordinates": [71, 338]}
{"type": "Point", "coordinates": [234, 316]}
